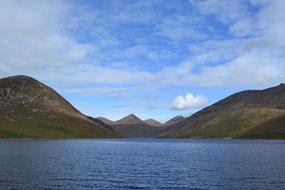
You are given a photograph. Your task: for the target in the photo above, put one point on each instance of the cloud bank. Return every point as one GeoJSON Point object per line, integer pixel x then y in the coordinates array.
{"type": "Point", "coordinates": [45, 37]}
{"type": "Point", "coordinates": [133, 48]}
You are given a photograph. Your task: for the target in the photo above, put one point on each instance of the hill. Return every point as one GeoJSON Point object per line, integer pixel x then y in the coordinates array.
{"type": "Point", "coordinates": [174, 121]}
{"type": "Point", "coordinates": [134, 127]}
{"type": "Point", "coordinates": [153, 122]}
{"type": "Point", "coordinates": [105, 120]}
{"type": "Point", "coordinates": [30, 109]}
{"type": "Point", "coordinates": [247, 114]}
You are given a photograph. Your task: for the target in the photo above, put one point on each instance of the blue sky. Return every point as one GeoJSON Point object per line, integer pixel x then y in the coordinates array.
{"type": "Point", "coordinates": [154, 58]}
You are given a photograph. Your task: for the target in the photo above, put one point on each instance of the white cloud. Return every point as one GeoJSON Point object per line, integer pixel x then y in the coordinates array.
{"type": "Point", "coordinates": [215, 51]}
{"type": "Point", "coordinates": [189, 101]}
{"type": "Point", "coordinates": [255, 61]}
{"type": "Point", "coordinates": [226, 11]}
{"type": "Point", "coordinates": [178, 27]}
{"type": "Point", "coordinates": [46, 39]}
{"type": "Point", "coordinates": [35, 40]}
{"type": "Point", "coordinates": [32, 37]}
{"type": "Point", "coordinates": [244, 27]}
{"type": "Point", "coordinates": [99, 91]}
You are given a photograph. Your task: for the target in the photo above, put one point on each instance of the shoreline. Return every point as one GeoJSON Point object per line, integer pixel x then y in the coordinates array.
{"type": "Point", "coordinates": [190, 139]}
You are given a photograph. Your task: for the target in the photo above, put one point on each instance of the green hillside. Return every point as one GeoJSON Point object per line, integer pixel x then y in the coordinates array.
{"type": "Point", "coordinates": [248, 114]}
{"type": "Point", "coordinates": [30, 109]}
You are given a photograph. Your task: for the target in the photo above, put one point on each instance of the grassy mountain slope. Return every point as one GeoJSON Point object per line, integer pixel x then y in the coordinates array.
{"type": "Point", "coordinates": [105, 120]}
{"type": "Point", "coordinates": [175, 120]}
{"type": "Point", "coordinates": [248, 114]}
{"type": "Point", "coordinates": [30, 109]}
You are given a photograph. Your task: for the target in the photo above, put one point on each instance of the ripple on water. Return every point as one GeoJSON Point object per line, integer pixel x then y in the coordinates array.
{"type": "Point", "coordinates": [142, 164]}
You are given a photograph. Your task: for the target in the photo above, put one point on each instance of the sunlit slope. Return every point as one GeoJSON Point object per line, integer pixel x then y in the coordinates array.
{"type": "Point", "coordinates": [248, 114]}
{"type": "Point", "coordinates": [30, 109]}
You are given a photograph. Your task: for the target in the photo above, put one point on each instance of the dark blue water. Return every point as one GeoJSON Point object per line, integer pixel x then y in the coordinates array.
{"type": "Point", "coordinates": [142, 164]}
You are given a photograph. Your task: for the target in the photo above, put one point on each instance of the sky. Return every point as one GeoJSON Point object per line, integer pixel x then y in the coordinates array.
{"type": "Point", "coordinates": [154, 58]}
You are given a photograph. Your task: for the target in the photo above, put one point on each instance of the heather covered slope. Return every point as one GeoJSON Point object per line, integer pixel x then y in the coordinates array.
{"type": "Point", "coordinates": [248, 114]}
{"type": "Point", "coordinates": [30, 109]}
{"type": "Point", "coordinates": [172, 122]}
{"type": "Point", "coordinates": [153, 122]}
{"type": "Point", "coordinates": [105, 120]}
{"type": "Point", "coordinates": [134, 127]}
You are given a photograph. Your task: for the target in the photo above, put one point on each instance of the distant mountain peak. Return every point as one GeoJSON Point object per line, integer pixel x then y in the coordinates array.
{"type": "Point", "coordinates": [153, 122]}
{"type": "Point", "coordinates": [133, 116]}
{"type": "Point", "coordinates": [105, 120]}
{"type": "Point", "coordinates": [130, 119]}
{"type": "Point", "coordinates": [178, 117]}
{"type": "Point", "coordinates": [175, 120]}
{"type": "Point", "coordinates": [133, 126]}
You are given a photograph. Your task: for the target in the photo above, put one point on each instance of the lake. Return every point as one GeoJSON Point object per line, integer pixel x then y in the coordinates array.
{"type": "Point", "coordinates": [142, 164]}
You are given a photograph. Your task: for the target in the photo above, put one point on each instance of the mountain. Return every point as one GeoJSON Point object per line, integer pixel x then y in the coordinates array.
{"type": "Point", "coordinates": [30, 109]}
{"type": "Point", "coordinates": [130, 119]}
{"type": "Point", "coordinates": [101, 123]}
{"type": "Point", "coordinates": [153, 122]}
{"type": "Point", "coordinates": [134, 127]}
{"type": "Point", "coordinates": [105, 120]}
{"type": "Point", "coordinates": [175, 120]}
{"type": "Point", "coordinates": [247, 114]}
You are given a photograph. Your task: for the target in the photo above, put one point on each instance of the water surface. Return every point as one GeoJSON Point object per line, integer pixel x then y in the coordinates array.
{"type": "Point", "coordinates": [142, 164]}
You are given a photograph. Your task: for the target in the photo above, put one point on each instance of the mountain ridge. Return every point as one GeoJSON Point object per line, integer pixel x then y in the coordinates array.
{"type": "Point", "coordinates": [237, 116]}
{"type": "Point", "coordinates": [130, 119]}
{"type": "Point", "coordinates": [174, 120]}
{"type": "Point", "coordinates": [105, 120]}
{"type": "Point", "coordinates": [31, 109]}
{"type": "Point", "coordinates": [153, 122]}
{"type": "Point", "coordinates": [134, 127]}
